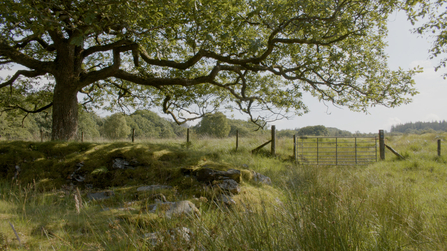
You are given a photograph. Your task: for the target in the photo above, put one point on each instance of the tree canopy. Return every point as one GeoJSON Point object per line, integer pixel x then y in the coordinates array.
{"type": "Point", "coordinates": [214, 125]}
{"type": "Point", "coordinates": [433, 15]}
{"type": "Point", "coordinates": [318, 130]}
{"type": "Point", "coordinates": [192, 57]}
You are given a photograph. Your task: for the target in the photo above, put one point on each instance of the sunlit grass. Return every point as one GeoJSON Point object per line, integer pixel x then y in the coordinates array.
{"type": "Point", "coordinates": [389, 205]}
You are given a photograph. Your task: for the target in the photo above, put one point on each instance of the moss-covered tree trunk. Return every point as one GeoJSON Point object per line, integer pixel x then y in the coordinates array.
{"type": "Point", "coordinates": [65, 114]}
{"type": "Point", "coordinates": [65, 101]}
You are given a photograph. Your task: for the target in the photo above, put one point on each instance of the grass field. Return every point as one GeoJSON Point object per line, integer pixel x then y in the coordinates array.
{"type": "Point", "coordinates": [389, 205]}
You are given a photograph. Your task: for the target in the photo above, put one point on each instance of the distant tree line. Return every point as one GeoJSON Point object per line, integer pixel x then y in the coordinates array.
{"type": "Point", "coordinates": [420, 127]}
{"type": "Point", "coordinates": [148, 124]}
{"type": "Point", "coordinates": [320, 130]}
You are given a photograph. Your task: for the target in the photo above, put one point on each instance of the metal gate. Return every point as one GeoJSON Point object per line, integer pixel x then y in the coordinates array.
{"type": "Point", "coordinates": [336, 150]}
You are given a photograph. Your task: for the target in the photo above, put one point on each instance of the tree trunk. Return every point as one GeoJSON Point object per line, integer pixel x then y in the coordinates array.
{"type": "Point", "coordinates": [65, 112]}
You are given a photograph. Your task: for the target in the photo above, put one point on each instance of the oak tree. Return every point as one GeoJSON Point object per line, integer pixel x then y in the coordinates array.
{"type": "Point", "coordinates": [192, 57]}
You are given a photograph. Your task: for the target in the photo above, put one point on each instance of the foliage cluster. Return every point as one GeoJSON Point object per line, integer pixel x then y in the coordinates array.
{"type": "Point", "coordinates": [193, 57]}
{"type": "Point", "coordinates": [214, 125]}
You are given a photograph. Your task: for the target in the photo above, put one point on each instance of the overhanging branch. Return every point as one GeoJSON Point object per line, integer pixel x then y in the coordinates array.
{"type": "Point", "coordinates": [29, 74]}
{"type": "Point", "coordinates": [29, 111]}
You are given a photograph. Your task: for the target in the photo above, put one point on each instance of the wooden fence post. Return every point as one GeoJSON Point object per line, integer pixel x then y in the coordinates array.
{"type": "Point", "coordinates": [187, 137]}
{"type": "Point", "coordinates": [382, 144]}
{"type": "Point", "coordinates": [294, 148]}
{"type": "Point", "coordinates": [439, 147]}
{"type": "Point", "coordinates": [237, 139]}
{"type": "Point", "coordinates": [133, 135]}
{"type": "Point", "coordinates": [273, 151]}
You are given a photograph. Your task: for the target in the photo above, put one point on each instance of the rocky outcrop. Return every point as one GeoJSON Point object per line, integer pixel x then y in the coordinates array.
{"type": "Point", "coordinates": [226, 200]}
{"type": "Point", "coordinates": [257, 177]}
{"type": "Point", "coordinates": [209, 175]}
{"type": "Point", "coordinates": [119, 163]}
{"type": "Point", "coordinates": [229, 186]}
{"type": "Point", "coordinates": [174, 209]}
{"type": "Point", "coordinates": [152, 188]}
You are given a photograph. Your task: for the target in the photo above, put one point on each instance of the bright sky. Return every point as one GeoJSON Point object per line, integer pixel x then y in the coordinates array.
{"type": "Point", "coordinates": [406, 50]}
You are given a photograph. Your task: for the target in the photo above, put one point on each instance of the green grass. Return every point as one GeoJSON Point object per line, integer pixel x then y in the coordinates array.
{"type": "Point", "coordinates": [389, 205]}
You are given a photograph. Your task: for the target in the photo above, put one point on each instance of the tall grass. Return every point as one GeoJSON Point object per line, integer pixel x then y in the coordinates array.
{"type": "Point", "coordinates": [390, 205]}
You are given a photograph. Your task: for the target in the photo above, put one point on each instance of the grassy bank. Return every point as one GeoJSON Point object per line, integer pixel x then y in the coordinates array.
{"type": "Point", "coordinates": [390, 205]}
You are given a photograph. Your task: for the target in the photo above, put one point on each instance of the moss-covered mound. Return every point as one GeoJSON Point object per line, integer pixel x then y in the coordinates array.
{"type": "Point", "coordinates": [54, 164]}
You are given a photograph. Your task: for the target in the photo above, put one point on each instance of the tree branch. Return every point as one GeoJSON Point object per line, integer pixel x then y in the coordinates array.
{"type": "Point", "coordinates": [29, 111]}
{"type": "Point", "coordinates": [29, 74]}
{"type": "Point", "coordinates": [25, 60]}
{"type": "Point", "coordinates": [24, 42]}
{"type": "Point", "coordinates": [107, 47]}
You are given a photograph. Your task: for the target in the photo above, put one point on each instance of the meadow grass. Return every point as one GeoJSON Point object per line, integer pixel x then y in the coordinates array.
{"type": "Point", "coordinates": [389, 205]}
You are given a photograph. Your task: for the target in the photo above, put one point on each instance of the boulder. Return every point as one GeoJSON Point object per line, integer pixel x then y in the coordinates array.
{"type": "Point", "coordinates": [175, 209]}
{"type": "Point", "coordinates": [257, 177]}
{"type": "Point", "coordinates": [229, 186]}
{"type": "Point", "coordinates": [120, 163]}
{"type": "Point", "coordinates": [180, 208]}
{"type": "Point", "coordinates": [153, 188]}
{"type": "Point", "coordinates": [226, 200]}
{"type": "Point", "coordinates": [209, 175]}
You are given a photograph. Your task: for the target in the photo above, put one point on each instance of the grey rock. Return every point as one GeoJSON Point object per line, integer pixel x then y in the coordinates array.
{"type": "Point", "coordinates": [100, 195]}
{"type": "Point", "coordinates": [181, 234]}
{"type": "Point", "coordinates": [75, 175]}
{"type": "Point", "coordinates": [120, 163]}
{"type": "Point", "coordinates": [209, 175]}
{"type": "Point", "coordinates": [182, 207]}
{"type": "Point", "coordinates": [175, 209]}
{"type": "Point", "coordinates": [226, 199]}
{"type": "Point", "coordinates": [153, 188]}
{"type": "Point", "coordinates": [229, 186]}
{"type": "Point", "coordinates": [257, 177]}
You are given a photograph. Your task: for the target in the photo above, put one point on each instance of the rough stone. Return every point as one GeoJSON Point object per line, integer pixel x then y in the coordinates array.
{"type": "Point", "coordinates": [182, 207]}
{"type": "Point", "coordinates": [209, 175]}
{"type": "Point", "coordinates": [229, 186]}
{"type": "Point", "coordinates": [175, 209]}
{"type": "Point", "coordinates": [180, 234]}
{"type": "Point", "coordinates": [75, 175]}
{"type": "Point", "coordinates": [257, 177]}
{"type": "Point", "coordinates": [226, 199]}
{"type": "Point", "coordinates": [153, 188]}
{"type": "Point", "coordinates": [120, 163]}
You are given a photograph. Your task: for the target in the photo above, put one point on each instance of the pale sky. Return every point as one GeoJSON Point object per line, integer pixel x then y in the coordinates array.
{"type": "Point", "coordinates": [405, 50]}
